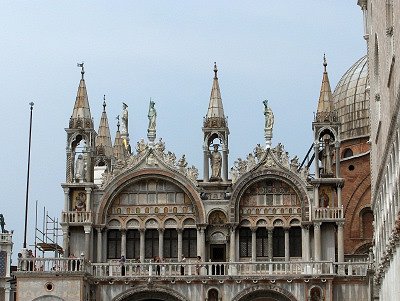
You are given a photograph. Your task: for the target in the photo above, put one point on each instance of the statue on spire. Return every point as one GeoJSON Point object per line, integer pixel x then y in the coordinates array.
{"type": "Point", "coordinates": [124, 119]}
{"type": "Point", "coordinates": [152, 115]}
{"type": "Point", "coordinates": [269, 123]}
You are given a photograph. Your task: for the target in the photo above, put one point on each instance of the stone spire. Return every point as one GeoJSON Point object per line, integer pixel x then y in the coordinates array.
{"type": "Point", "coordinates": [103, 140]}
{"type": "Point", "coordinates": [81, 117]}
{"type": "Point", "coordinates": [215, 107]}
{"type": "Point", "coordinates": [118, 149]}
{"type": "Point", "coordinates": [325, 102]}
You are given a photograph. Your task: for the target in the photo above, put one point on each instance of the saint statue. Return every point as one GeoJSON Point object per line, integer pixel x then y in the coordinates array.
{"type": "Point", "coordinates": [124, 119]}
{"type": "Point", "coordinates": [152, 116]}
{"type": "Point", "coordinates": [327, 157]}
{"type": "Point", "coordinates": [2, 223]}
{"type": "Point", "coordinates": [216, 162]}
{"type": "Point", "coordinates": [80, 169]}
{"type": "Point", "coordinates": [269, 116]}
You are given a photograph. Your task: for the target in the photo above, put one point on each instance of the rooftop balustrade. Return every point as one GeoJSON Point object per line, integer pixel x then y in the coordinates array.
{"type": "Point", "coordinates": [184, 270]}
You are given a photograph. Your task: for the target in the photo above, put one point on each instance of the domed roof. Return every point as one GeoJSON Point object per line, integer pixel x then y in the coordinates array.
{"type": "Point", "coordinates": [351, 101]}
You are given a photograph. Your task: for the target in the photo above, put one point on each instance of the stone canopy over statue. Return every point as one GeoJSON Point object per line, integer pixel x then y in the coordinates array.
{"type": "Point", "coordinates": [216, 163]}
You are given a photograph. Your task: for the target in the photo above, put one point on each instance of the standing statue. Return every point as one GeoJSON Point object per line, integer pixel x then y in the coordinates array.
{"type": "Point", "coordinates": [152, 116]}
{"type": "Point", "coordinates": [327, 157]}
{"type": "Point", "coordinates": [216, 162]}
{"type": "Point", "coordinates": [124, 119]}
{"type": "Point", "coordinates": [80, 169]}
{"type": "Point", "coordinates": [269, 116]}
{"type": "Point", "coordinates": [2, 223]}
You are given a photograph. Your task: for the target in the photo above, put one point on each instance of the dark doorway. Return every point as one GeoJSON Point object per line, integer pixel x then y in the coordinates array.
{"type": "Point", "coordinates": [217, 254]}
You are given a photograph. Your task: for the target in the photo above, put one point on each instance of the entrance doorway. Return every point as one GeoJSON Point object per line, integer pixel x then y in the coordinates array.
{"type": "Point", "coordinates": [218, 254]}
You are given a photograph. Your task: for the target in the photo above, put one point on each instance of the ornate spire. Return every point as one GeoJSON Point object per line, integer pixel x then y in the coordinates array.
{"type": "Point", "coordinates": [325, 102]}
{"type": "Point", "coordinates": [81, 117]}
{"type": "Point", "coordinates": [103, 140]}
{"type": "Point", "coordinates": [215, 111]}
{"type": "Point", "coordinates": [118, 149]}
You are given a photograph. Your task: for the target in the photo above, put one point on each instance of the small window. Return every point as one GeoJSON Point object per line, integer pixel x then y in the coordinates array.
{"type": "Point", "coordinates": [347, 153]}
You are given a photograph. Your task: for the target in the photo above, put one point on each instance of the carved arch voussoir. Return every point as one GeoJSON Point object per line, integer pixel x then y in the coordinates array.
{"type": "Point", "coordinates": [144, 290]}
{"type": "Point", "coordinates": [272, 290]}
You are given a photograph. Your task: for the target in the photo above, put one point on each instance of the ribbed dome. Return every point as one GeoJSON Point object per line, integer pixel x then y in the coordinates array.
{"type": "Point", "coordinates": [351, 101]}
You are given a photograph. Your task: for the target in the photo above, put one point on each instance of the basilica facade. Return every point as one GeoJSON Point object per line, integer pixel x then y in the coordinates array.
{"type": "Point", "coordinates": [141, 224]}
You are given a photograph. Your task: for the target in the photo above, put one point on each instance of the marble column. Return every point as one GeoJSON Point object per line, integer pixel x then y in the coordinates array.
{"type": "Point", "coordinates": [65, 230]}
{"type": "Point", "coordinates": [105, 245]}
{"type": "Point", "coordinates": [123, 242]}
{"type": "Point", "coordinates": [225, 163]}
{"type": "Point", "coordinates": [142, 247]}
{"type": "Point", "coordinates": [339, 195]}
{"type": "Point", "coordinates": [316, 152]}
{"type": "Point", "coordinates": [198, 241]}
{"type": "Point", "coordinates": [66, 200]}
{"type": "Point", "coordinates": [206, 163]}
{"type": "Point", "coordinates": [270, 243]}
{"type": "Point", "coordinates": [87, 230]}
{"type": "Point", "coordinates": [340, 242]}
{"type": "Point", "coordinates": [317, 241]}
{"type": "Point", "coordinates": [253, 244]}
{"type": "Point", "coordinates": [305, 242]}
{"type": "Point", "coordinates": [179, 231]}
{"type": "Point", "coordinates": [337, 157]}
{"type": "Point", "coordinates": [287, 246]}
{"type": "Point", "coordinates": [161, 242]}
{"type": "Point", "coordinates": [99, 245]}
{"type": "Point", "coordinates": [232, 244]}
{"type": "Point", "coordinates": [88, 193]}
{"type": "Point", "coordinates": [203, 244]}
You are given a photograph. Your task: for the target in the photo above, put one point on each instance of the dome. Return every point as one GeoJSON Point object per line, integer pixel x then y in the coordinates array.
{"type": "Point", "coordinates": [351, 101]}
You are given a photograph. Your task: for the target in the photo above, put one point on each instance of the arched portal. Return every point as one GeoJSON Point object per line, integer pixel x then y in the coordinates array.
{"type": "Point", "coordinates": [264, 293]}
{"type": "Point", "coordinates": [156, 293]}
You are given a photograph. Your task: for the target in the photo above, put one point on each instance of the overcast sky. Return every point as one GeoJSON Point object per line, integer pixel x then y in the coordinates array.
{"type": "Point", "coordinates": [134, 50]}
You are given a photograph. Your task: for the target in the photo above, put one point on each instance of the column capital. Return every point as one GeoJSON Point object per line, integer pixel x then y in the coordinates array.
{"type": "Point", "coordinates": [66, 190]}
{"type": "Point", "coordinates": [179, 230]}
{"type": "Point", "coordinates": [317, 225]}
{"type": "Point", "coordinates": [340, 224]}
{"type": "Point", "coordinates": [286, 228]}
{"type": "Point", "coordinates": [123, 230]}
{"type": "Point", "coordinates": [201, 227]}
{"type": "Point", "coordinates": [306, 226]}
{"type": "Point", "coordinates": [161, 230]}
{"type": "Point", "coordinates": [270, 229]}
{"type": "Point", "coordinates": [233, 226]}
{"type": "Point", "coordinates": [142, 230]}
{"type": "Point", "coordinates": [87, 229]}
{"type": "Point", "coordinates": [88, 189]}
{"type": "Point", "coordinates": [253, 228]}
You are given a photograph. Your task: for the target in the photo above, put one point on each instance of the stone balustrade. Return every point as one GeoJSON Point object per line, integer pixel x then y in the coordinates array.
{"type": "Point", "coordinates": [327, 213]}
{"type": "Point", "coordinates": [77, 217]}
{"type": "Point", "coordinates": [245, 270]}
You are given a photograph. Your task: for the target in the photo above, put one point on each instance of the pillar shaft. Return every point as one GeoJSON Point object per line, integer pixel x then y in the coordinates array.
{"type": "Point", "coordinates": [232, 245]}
{"type": "Point", "coordinates": [270, 244]}
{"type": "Point", "coordinates": [287, 246]}
{"type": "Point", "coordinates": [253, 244]}
{"type": "Point", "coordinates": [340, 242]}
{"type": "Point", "coordinates": [305, 243]}
{"type": "Point", "coordinates": [161, 243]}
{"type": "Point", "coordinates": [99, 245]}
{"type": "Point", "coordinates": [142, 250]}
{"type": "Point", "coordinates": [179, 244]}
{"type": "Point", "coordinates": [317, 241]}
{"type": "Point", "coordinates": [123, 242]}
{"type": "Point", "coordinates": [206, 163]}
{"type": "Point", "coordinates": [224, 165]}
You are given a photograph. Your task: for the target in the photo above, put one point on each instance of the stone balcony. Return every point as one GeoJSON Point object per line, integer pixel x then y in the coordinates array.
{"type": "Point", "coordinates": [77, 217]}
{"type": "Point", "coordinates": [114, 271]}
{"type": "Point", "coordinates": [328, 214]}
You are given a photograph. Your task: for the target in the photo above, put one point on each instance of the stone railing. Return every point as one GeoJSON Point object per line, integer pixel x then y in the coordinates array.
{"type": "Point", "coordinates": [53, 265]}
{"type": "Point", "coordinates": [112, 270]}
{"type": "Point", "coordinates": [5, 238]}
{"type": "Point", "coordinates": [77, 217]}
{"type": "Point", "coordinates": [327, 213]}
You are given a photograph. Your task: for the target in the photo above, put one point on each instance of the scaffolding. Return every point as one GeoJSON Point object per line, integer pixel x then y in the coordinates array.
{"type": "Point", "coordinates": [47, 239]}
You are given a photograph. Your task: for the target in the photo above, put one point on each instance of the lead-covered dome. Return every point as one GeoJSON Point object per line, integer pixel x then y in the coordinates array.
{"type": "Point", "coordinates": [351, 101]}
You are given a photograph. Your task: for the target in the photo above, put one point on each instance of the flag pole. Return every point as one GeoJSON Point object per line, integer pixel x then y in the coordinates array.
{"type": "Point", "coordinates": [27, 174]}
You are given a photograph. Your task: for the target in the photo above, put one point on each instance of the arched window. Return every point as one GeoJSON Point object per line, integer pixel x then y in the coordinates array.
{"type": "Point", "coordinates": [189, 243]}
{"type": "Point", "coordinates": [170, 243]}
{"type": "Point", "coordinates": [151, 243]}
{"type": "Point", "coordinates": [295, 242]}
{"type": "Point", "coordinates": [262, 242]}
{"type": "Point", "coordinates": [367, 218]}
{"type": "Point", "coordinates": [278, 242]}
{"type": "Point", "coordinates": [113, 244]}
{"type": "Point", "coordinates": [245, 242]}
{"type": "Point", "coordinates": [212, 295]}
{"type": "Point", "coordinates": [347, 153]}
{"type": "Point", "coordinates": [132, 244]}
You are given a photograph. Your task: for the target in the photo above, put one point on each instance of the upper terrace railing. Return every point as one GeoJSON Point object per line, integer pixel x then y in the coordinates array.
{"type": "Point", "coordinates": [327, 213]}
{"type": "Point", "coordinates": [134, 270]}
{"type": "Point", "coordinates": [77, 217]}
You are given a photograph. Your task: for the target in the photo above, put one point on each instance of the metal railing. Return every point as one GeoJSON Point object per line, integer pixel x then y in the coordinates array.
{"type": "Point", "coordinates": [193, 269]}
